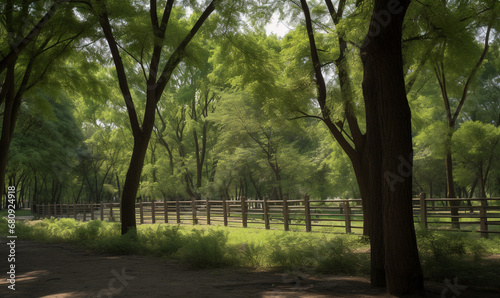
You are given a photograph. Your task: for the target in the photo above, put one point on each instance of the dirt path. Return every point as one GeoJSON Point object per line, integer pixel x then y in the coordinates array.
{"type": "Point", "coordinates": [63, 270]}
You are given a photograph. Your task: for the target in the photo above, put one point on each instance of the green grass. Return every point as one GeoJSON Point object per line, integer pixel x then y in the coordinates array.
{"type": "Point", "coordinates": [205, 246]}
{"type": "Point", "coordinates": [21, 212]}
{"type": "Point", "coordinates": [443, 254]}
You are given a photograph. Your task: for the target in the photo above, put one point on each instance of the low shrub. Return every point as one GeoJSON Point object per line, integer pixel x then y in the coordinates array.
{"type": "Point", "coordinates": [288, 251]}
{"type": "Point", "coordinates": [252, 255]}
{"type": "Point", "coordinates": [447, 255]}
{"type": "Point", "coordinates": [162, 240]}
{"type": "Point", "coordinates": [207, 250]}
{"type": "Point", "coordinates": [337, 256]}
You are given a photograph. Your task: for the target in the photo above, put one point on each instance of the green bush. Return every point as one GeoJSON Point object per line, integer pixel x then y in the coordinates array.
{"type": "Point", "coordinates": [116, 243]}
{"type": "Point", "coordinates": [444, 245]}
{"type": "Point", "coordinates": [337, 256]}
{"type": "Point", "coordinates": [85, 233]}
{"type": "Point", "coordinates": [453, 254]}
{"type": "Point", "coordinates": [162, 241]}
{"type": "Point", "coordinates": [291, 252]}
{"type": "Point", "coordinates": [307, 254]}
{"type": "Point", "coordinates": [207, 250]}
{"type": "Point", "coordinates": [252, 255]}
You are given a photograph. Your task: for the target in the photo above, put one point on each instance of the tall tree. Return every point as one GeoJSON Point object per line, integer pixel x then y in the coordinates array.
{"type": "Point", "coordinates": [471, 17]}
{"type": "Point", "coordinates": [155, 80]}
{"type": "Point", "coordinates": [355, 146]}
{"type": "Point", "coordinates": [388, 120]}
{"type": "Point", "coordinates": [31, 55]}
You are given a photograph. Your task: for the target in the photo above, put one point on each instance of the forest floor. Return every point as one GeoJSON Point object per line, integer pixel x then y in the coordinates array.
{"type": "Point", "coordinates": [64, 270]}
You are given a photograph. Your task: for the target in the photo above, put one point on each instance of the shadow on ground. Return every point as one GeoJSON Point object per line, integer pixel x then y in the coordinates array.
{"type": "Point", "coordinates": [63, 270]}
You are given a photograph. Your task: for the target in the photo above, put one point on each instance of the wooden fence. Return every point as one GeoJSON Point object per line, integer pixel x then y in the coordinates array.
{"type": "Point", "coordinates": [337, 216]}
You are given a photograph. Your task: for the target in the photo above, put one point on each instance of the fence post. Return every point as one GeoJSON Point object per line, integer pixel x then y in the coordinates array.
{"type": "Point", "coordinates": [207, 207]}
{"type": "Point", "coordinates": [193, 207]}
{"type": "Point", "coordinates": [224, 210]}
{"type": "Point", "coordinates": [44, 214]}
{"type": "Point", "coordinates": [92, 211]}
{"type": "Point", "coordinates": [153, 214]}
{"type": "Point", "coordinates": [307, 211]}
{"type": "Point", "coordinates": [111, 212]}
{"type": "Point", "coordinates": [285, 213]}
{"type": "Point", "coordinates": [55, 210]}
{"type": "Point", "coordinates": [75, 211]}
{"type": "Point", "coordinates": [178, 210]}
{"type": "Point", "coordinates": [165, 210]}
{"type": "Point", "coordinates": [483, 218]}
{"type": "Point", "coordinates": [67, 210]}
{"type": "Point", "coordinates": [266, 213]}
{"type": "Point", "coordinates": [141, 212]}
{"type": "Point", "coordinates": [84, 213]}
{"type": "Point", "coordinates": [423, 209]}
{"type": "Point", "coordinates": [244, 214]}
{"type": "Point", "coordinates": [347, 216]}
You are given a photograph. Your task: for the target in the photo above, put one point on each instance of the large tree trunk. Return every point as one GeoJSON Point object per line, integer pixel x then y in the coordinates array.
{"type": "Point", "coordinates": [388, 121]}
{"type": "Point", "coordinates": [12, 105]}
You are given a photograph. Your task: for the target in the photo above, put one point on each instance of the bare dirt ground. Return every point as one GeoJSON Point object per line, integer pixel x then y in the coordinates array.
{"type": "Point", "coordinates": [63, 270]}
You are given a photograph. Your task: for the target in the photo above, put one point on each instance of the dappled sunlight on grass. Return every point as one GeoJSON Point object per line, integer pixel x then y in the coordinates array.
{"type": "Point", "coordinates": [443, 254]}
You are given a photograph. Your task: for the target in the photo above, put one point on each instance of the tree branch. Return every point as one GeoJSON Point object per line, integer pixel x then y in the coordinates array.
{"type": "Point", "coordinates": [120, 69]}
{"type": "Point", "coordinates": [321, 85]}
{"type": "Point", "coordinates": [23, 43]}
{"type": "Point", "coordinates": [473, 72]}
{"type": "Point", "coordinates": [179, 52]}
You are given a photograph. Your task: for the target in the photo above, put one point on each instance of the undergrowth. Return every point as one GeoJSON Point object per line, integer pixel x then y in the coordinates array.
{"type": "Point", "coordinates": [443, 254]}
{"type": "Point", "coordinates": [450, 255]}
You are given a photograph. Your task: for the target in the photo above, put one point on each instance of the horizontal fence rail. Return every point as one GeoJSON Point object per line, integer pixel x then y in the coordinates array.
{"type": "Point", "coordinates": [335, 216]}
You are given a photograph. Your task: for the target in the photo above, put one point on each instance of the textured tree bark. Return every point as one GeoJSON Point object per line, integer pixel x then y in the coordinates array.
{"type": "Point", "coordinates": [389, 144]}
{"type": "Point", "coordinates": [131, 185]}
{"type": "Point", "coordinates": [12, 105]}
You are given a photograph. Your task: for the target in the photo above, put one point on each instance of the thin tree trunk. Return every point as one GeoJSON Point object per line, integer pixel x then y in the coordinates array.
{"type": "Point", "coordinates": [131, 185]}
{"type": "Point", "coordinates": [450, 189]}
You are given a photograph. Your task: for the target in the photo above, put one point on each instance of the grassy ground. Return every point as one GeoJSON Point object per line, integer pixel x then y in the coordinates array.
{"type": "Point", "coordinates": [22, 212]}
{"type": "Point", "coordinates": [444, 255]}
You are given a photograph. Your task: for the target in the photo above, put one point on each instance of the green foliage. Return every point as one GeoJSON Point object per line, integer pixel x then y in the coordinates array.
{"type": "Point", "coordinates": [290, 251]}
{"type": "Point", "coordinates": [226, 113]}
{"type": "Point", "coordinates": [252, 254]}
{"type": "Point", "coordinates": [338, 257]}
{"type": "Point", "coordinates": [112, 241]}
{"type": "Point", "coordinates": [206, 250]}
{"type": "Point", "coordinates": [454, 254]}
{"type": "Point", "coordinates": [164, 240]}
{"type": "Point", "coordinates": [443, 254]}
{"type": "Point", "coordinates": [476, 145]}
{"type": "Point", "coordinates": [334, 256]}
